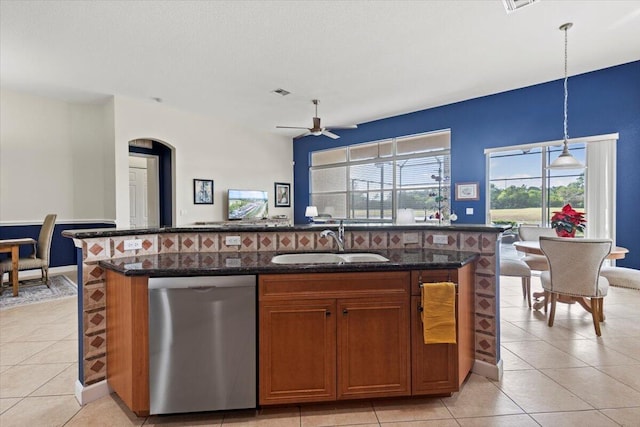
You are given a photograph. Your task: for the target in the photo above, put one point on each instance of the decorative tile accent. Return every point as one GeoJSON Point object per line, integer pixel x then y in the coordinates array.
{"type": "Point", "coordinates": [95, 249]}
{"type": "Point", "coordinates": [305, 241]}
{"type": "Point", "coordinates": [358, 240]}
{"type": "Point", "coordinates": [92, 273]}
{"type": "Point", "coordinates": [486, 325]}
{"type": "Point", "coordinates": [94, 296]}
{"type": "Point", "coordinates": [396, 239]}
{"type": "Point", "coordinates": [209, 242]}
{"type": "Point", "coordinates": [94, 321]}
{"type": "Point", "coordinates": [95, 345]}
{"type": "Point", "coordinates": [168, 243]}
{"type": "Point", "coordinates": [485, 285]}
{"type": "Point", "coordinates": [470, 242]}
{"type": "Point", "coordinates": [486, 264]}
{"type": "Point", "coordinates": [189, 242]}
{"type": "Point", "coordinates": [485, 304]}
{"type": "Point", "coordinates": [249, 242]}
{"type": "Point", "coordinates": [488, 242]}
{"type": "Point", "coordinates": [378, 240]}
{"type": "Point", "coordinates": [117, 246]}
{"type": "Point", "coordinates": [95, 370]}
{"type": "Point", "coordinates": [486, 345]}
{"type": "Point", "coordinates": [223, 245]}
{"type": "Point", "coordinates": [149, 244]}
{"type": "Point", "coordinates": [286, 241]}
{"type": "Point", "coordinates": [267, 241]}
{"type": "Point", "coordinates": [325, 244]}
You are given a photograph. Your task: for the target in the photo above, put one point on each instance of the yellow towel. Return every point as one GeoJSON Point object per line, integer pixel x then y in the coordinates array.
{"type": "Point", "coordinates": [439, 312]}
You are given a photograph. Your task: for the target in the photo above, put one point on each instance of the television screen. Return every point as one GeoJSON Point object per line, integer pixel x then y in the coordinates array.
{"type": "Point", "coordinates": [248, 204]}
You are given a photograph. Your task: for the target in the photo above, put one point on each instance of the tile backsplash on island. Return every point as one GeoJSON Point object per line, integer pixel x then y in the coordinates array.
{"type": "Point", "coordinates": [484, 242]}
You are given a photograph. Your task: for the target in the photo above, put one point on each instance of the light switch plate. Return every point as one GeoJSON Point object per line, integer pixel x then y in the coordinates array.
{"type": "Point", "coordinates": [132, 244]}
{"type": "Point", "coordinates": [469, 211]}
{"type": "Point", "coordinates": [232, 241]}
{"type": "Point", "coordinates": [440, 239]}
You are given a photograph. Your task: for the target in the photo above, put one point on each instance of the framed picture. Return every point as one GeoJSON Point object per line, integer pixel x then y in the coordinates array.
{"type": "Point", "coordinates": [203, 191]}
{"type": "Point", "coordinates": [467, 191]}
{"type": "Point", "coordinates": [283, 195]}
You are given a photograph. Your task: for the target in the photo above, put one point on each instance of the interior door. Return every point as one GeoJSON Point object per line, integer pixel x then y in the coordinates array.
{"type": "Point", "coordinates": [144, 203]}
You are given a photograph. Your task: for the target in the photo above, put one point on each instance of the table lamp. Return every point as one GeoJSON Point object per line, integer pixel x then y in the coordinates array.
{"type": "Point", "coordinates": [311, 212]}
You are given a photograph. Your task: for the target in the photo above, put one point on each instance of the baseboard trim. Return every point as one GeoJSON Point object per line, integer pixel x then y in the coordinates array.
{"type": "Point", "coordinates": [491, 371]}
{"type": "Point", "coordinates": [87, 394]}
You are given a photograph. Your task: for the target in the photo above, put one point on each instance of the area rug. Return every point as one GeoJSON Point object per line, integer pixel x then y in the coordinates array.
{"type": "Point", "coordinates": [34, 290]}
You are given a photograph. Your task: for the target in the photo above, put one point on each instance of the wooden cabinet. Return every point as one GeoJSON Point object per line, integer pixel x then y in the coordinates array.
{"type": "Point", "coordinates": [441, 368]}
{"type": "Point", "coordinates": [325, 337]}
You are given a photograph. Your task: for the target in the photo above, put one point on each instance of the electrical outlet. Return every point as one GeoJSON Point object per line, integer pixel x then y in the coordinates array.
{"type": "Point", "coordinates": [440, 239]}
{"type": "Point", "coordinates": [408, 238]}
{"type": "Point", "coordinates": [232, 241]}
{"type": "Point", "coordinates": [132, 244]}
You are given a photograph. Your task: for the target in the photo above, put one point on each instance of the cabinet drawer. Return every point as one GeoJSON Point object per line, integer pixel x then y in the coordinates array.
{"type": "Point", "coordinates": [333, 285]}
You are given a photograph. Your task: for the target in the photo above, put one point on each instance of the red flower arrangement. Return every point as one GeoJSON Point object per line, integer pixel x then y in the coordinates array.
{"type": "Point", "coordinates": [568, 221]}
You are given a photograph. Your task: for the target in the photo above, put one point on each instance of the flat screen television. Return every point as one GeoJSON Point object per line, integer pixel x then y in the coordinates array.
{"type": "Point", "coordinates": [247, 204]}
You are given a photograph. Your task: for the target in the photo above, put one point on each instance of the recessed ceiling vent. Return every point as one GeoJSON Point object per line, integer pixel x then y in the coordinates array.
{"type": "Point", "coordinates": [282, 92]}
{"type": "Point", "coordinates": [513, 5]}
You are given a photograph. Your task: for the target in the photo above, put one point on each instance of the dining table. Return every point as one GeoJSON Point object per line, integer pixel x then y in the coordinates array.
{"type": "Point", "coordinates": [13, 246]}
{"type": "Point", "coordinates": [532, 247]}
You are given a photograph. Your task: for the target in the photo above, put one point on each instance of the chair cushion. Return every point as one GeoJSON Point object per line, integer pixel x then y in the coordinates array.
{"type": "Point", "coordinates": [23, 264]}
{"type": "Point", "coordinates": [536, 262]}
{"type": "Point", "coordinates": [622, 276]}
{"type": "Point", "coordinates": [514, 268]}
{"type": "Point", "coordinates": [603, 285]}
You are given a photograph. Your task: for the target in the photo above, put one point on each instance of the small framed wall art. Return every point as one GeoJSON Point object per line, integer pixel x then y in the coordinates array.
{"type": "Point", "coordinates": [203, 191]}
{"type": "Point", "coordinates": [282, 191]}
{"type": "Point", "coordinates": [467, 191]}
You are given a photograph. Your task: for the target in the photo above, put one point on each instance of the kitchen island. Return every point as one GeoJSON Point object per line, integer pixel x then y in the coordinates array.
{"type": "Point", "coordinates": [206, 250]}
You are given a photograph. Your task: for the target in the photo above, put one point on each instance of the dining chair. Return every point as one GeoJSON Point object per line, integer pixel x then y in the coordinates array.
{"type": "Point", "coordinates": [39, 258]}
{"type": "Point", "coordinates": [518, 268]}
{"type": "Point", "coordinates": [574, 272]}
{"type": "Point", "coordinates": [533, 233]}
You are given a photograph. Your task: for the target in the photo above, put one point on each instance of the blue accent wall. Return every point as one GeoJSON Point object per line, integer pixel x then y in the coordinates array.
{"type": "Point", "coordinates": [600, 102]}
{"type": "Point", "coordinates": [63, 251]}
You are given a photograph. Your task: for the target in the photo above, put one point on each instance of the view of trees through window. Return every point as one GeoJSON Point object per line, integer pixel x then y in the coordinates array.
{"type": "Point", "coordinates": [524, 192]}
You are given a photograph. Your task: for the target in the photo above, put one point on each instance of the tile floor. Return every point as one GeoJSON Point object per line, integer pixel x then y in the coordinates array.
{"type": "Point", "coordinates": [560, 376]}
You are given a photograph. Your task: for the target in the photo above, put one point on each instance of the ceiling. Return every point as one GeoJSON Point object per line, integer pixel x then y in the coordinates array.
{"type": "Point", "coordinates": [364, 60]}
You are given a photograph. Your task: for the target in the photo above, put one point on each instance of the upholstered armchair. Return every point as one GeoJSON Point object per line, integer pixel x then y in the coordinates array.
{"type": "Point", "coordinates": [39, 258]}
{"type": "Point", "coordinates": [533, 233]}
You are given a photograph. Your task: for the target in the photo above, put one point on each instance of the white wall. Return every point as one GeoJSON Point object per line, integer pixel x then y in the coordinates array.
{"type": "Point", "coordinates": [205, 148]}
{"type": "Point", "coordinates": [48, 153]}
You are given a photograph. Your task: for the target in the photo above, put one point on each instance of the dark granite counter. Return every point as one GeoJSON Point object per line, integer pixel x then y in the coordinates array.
{"type": "Point", "coordinates": [240, 227]}
{"type": "Point", "coordinates": [232, 263]}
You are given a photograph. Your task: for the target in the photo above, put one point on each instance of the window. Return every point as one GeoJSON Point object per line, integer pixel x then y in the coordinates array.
{"type": "Point", "coordinates": [523, 191]}
{"type": "Point", "coordinates": [371, 181]}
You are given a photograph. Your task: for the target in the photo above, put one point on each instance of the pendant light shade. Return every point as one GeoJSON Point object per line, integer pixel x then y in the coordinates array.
{"type": "Point", "coordinates": [566, 160]}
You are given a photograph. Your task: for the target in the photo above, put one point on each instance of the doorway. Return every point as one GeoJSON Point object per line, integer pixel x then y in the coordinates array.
{"type": "Point", "coordinates": [150, 184]}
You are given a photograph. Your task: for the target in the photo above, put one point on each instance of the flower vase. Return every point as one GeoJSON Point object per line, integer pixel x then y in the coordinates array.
{"type": "Point", "coordinates": [564, 233]}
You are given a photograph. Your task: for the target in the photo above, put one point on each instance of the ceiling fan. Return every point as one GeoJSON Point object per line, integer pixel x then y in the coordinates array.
{"type": "Point", "coordinates": [317, 128]}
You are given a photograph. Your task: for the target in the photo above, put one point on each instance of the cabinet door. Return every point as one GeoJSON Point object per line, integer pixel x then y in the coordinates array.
{"type": "Point", "coordinates": [373, 347]}
{"type": "Point", "coordinates": [435, 366]}
{"type": "Point", "coordinates": [297, 351]}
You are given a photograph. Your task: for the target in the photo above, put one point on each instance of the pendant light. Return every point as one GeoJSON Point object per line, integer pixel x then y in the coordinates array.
{"type": "Point", "coordinates": [566, 160]}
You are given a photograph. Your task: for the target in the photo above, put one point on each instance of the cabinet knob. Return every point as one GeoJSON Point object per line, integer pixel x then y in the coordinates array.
{"type": "Point", "coordinates": [345, 311]}
{"type": "Point", "coordinates": [327, 313]}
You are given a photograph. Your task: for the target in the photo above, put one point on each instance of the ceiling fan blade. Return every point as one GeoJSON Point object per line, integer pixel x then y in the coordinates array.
{"type": "Point", "coordinates": [291, 127]}
{"type": "Point", "coordinates": [330, 134]}
{"type": "Point", "coordinates": [302, 135]}
{"type": "Point", "coordinates": [343, 127]}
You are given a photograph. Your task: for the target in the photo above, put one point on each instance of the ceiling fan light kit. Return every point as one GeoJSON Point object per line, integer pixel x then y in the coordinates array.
{"type": "Point", "coordinates": [317, 128]}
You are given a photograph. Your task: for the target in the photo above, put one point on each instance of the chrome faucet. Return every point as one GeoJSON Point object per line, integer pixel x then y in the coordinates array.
{"type": "Point", "coordinates": [339, 238]}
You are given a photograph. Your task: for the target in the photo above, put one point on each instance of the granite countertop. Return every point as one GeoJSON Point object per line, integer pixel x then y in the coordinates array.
{"type": "Point", "coordinates": [230, 263]}
{"type": "Point", "coordinates": [248, 227]}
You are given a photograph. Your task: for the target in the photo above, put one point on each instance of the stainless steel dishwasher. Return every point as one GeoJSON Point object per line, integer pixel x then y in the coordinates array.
{"type": "Point", "coordinates": [202, 343]}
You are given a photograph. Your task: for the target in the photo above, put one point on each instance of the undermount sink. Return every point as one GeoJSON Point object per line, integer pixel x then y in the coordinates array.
{"type": "Point", "coordinates": [327, 258]}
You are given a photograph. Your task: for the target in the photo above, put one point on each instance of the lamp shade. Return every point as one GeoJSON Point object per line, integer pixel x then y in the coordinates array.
{"type": "Point", "coordinates": [566, 161]}
{"type": "Point", "coordinates": [311, 211]}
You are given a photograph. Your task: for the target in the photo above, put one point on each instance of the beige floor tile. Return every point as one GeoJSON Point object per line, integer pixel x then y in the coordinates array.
{"type": "Point", "coordinates": [105, 412]}
{"type": "Point", "coordinates": [8, 403]}
{"type": "Point", "coordinates": [535, 392]}
{"type": "Point", "coordinates": [480, 397]}
{"type": "Point", "coordinates": [574, 419]}
{"type": "Point", "coordinates": [338, 414]}
{"type": "Point", "coordinates": [52, 332]}
{"type": "Point", "coordinates": [14, 331]}
{"type": "Point", "coordinates": [41, 411]}
{"type": "Point", "coordinates": [540, 355]}
{"type": "Point", "coordinates": [626, 374]}
{"type": "Point", "coordinates": [592, 352]}
{"type": "Point", "coordinates": [595, 387]}
{"type": "Point", "coordinates": [501, 421]}
{"type": "Point", "coordinates": [266, 417]}
{"type": "Point", "coordinates": [511, 362]}
{"type": "Point", "coordinates": [627, 346]}
{"type": "Point", "coordinates": [519, 314]}
{"type": "Point", "coordinates": [426, 423]}
{"type": "Point", "coordinates": [59, 352]}
{"type": "Point", "coordinates": [22, 380]}
{"type": "Point", "coordinates": [540, 329]}
{"type": "Point", "coordinates": [410, 410]}
{"type": "Point", "coordinates": [12, 353]}
{"type": "Point", "coordinates": [63, 383]}
{"type": "Point", "coordinates": [510, 333]}
{"type": "Point", "coordinates": [627, 417]}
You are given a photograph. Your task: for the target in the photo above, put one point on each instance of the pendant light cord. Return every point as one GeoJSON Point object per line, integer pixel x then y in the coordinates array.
{"type": "Point", "coordinates": [566, 91]}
